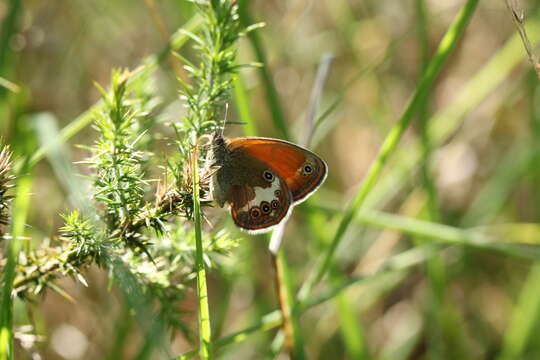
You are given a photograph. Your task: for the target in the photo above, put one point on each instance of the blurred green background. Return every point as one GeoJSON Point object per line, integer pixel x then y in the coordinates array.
{"type": "Point", "coordinates": [482, 170]}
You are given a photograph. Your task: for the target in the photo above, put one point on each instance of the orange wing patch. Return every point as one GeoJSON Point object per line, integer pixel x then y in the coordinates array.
{"type": "Point", "coordinates": [302, 170]}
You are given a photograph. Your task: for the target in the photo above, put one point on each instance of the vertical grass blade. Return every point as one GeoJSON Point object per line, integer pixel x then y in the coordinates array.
{"type": "Point", "coordinates": [523, 319]}
{"type": "Point", "coordinates": [13, 246]}
{"type": "Point", "coordinates": [278, 115]}
{"type": "Point", "coordinates": [242, 105]}
{"type": "Point", "coordinates": [205, 329]}
{"type": "Point", "coordinates": [433, 69]}
{"type": "Point", "coordinates": [350, 328]}
{"type": "Point", "coordinates": [8, 29]}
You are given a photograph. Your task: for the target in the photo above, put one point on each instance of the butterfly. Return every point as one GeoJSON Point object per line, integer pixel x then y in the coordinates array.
{"type": "Point", "coordinates": [261, 179]}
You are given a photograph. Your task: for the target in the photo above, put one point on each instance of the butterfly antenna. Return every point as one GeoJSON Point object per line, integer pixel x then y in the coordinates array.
{"type": "Point", "coordinates": [225, 119]}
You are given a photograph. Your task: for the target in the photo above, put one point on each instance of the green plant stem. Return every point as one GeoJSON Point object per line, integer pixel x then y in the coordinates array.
{"type": "Point", "coordinates": [20, 211]}
{"type": "Point", "coordinates": [205, 328]}
{"type": "Point", "coordinates": [445, 48]}
{"type": "Point", "coordinates": [291, 325]}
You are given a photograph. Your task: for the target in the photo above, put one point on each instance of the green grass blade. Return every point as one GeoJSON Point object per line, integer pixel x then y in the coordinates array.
{"type": "Point", "coordinates": [205, 328]}
{"type": "Point", "coordinates": [20, 212]}
{"type": "Point", "coordinates": [278, 115]}
{"type": "Point", "coordinates": [46, 126]}
{"type": "Point", "coordinates": [8, 30]}
{"type": "Point", "coordinates": [523, 319]}
{"type": "Point", "coordinates": [447, 234]}
{"type": "Point", "coordinates": [242, 104]}
{"type": "Point", "coordinates": [446, 46]}
{"type": "Point", "coordinates": [493, 195]}
{"type": "Point", "coordinates": [350, 328]}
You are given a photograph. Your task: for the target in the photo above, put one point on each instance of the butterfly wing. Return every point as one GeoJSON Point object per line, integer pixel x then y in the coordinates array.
{"type": "Point", "coordinates": [302, 170]}
{"type": "Point", "coordinates": [258, 198]}
{"type": "Point", "coordinates": [257, 209]}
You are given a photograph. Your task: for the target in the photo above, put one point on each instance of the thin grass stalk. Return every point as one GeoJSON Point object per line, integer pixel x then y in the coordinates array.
{"type": "Point", "coordinates": [291, 322]}
{"type": "Point", "coordinates": [13, 247]}
{"type": "Point", "coordinates": [517, 13]}
{"type": "Point", "coordinates": [423, 116]}
{"type": "Point", "coordinates": [8, 30]}
{"type": "Point", "coordinates": [446, 46]}
{"type": "Point", "coordinates": [205, 328]}
{"type": "Point", "coordinates": [435, 268]}
{"type": "Point", "coordinates": [278, 115]}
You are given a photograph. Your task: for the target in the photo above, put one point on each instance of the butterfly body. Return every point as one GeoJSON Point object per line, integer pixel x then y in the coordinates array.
{"type": "Point", "coordinates": [261, 179]}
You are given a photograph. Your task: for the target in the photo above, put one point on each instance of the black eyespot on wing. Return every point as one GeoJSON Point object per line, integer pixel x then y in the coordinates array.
{"type": "Point", "coordinates": [265, 207]}
{"type": "Point", "coordinates": [307, 169]}
{"type": "Point", "coordinates": [275, 204]}
{"type": "Point", "coordinates": [268, 176]}
{"type": "Point", "coordinates": [277, 192]}
{"type": "Point", "coordinates": [255, 212]}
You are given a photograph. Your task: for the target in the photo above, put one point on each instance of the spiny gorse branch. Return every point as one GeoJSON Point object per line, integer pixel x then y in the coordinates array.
{"type": "Point", "coordinates": [124, 226]}
{"type": "Point", "coordinates": [5, 184]}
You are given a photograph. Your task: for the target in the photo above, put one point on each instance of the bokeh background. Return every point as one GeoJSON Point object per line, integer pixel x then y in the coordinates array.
{"type": "Point", "coordinates": [483, 172]}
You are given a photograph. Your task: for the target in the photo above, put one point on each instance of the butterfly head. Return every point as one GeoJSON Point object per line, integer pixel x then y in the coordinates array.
{"type": "Point", "coordinates": [219, 149]}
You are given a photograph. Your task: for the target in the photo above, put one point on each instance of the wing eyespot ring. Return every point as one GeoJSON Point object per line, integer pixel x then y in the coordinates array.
{"type": "Point", "coordinates": [307, 169]}
{"type": "Point", "coordinates": [268, 176]}
{"type": "Point", "coordinates": [275, 203]}
{"type": "Point", "coordinates": [255, 212]}
{"type": "Point", "coordinates": [265, 207]}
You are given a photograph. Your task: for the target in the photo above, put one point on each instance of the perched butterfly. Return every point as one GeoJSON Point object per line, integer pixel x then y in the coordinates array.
{"type": "Point", "coordinates": [262, 179]}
